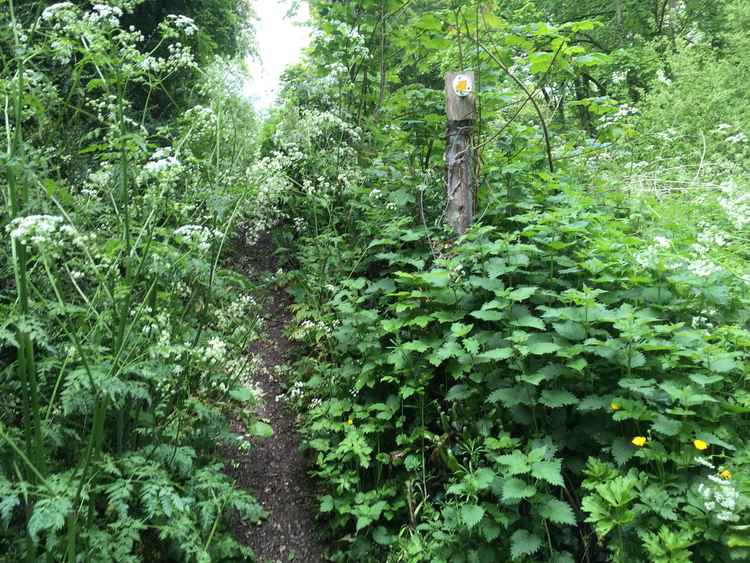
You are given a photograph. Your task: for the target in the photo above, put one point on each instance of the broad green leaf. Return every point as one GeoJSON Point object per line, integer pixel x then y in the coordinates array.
{"type": "Point", "coordinates": [496, 354]}
{"type": "Point", "coordinates": [524, 543]}
{"type": "Point", "coordinates": [540, 348]}
{"type": "Point", "coordinates": [471, 514]}
{"type": "Point", "coordinates": [489, 315]}
{"type": "Point", "coordinates": [549, 471]}
{"type": "Point", "coordinates": [517, 489]}
{"type": "Point", "coordinates": [522, 293]}
{"type": "Point", "coordinates": [261, 429]}
{"type": "Point", "coordinates": [555, 398]}
{"type": "Point", "coordinates": [557, 511]}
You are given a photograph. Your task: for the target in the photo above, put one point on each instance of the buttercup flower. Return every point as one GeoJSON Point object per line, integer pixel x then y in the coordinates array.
{"type": "Point", "coordinates": [639, 441]}
{"type": "Point", "coordinates": [350, 422]}
{"type": "Point", "coordinates": [615, 406]}
{"type": "Point", "coordinates": [700, 445]}
{"type": "Point", "coordinates": [726, 475]}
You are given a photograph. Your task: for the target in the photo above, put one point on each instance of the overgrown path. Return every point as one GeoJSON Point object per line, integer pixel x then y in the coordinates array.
{"type": "Point", "coordinates": [274, 470]}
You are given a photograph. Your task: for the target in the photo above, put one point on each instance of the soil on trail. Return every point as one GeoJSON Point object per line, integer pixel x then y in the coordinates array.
{"type": "Point", "coordinates": [274, 470]}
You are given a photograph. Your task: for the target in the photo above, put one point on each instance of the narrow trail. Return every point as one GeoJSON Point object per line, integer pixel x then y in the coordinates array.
{"type": "Point", "coordinates": [274, 470]}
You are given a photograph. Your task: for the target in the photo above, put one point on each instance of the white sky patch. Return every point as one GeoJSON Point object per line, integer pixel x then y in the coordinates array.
{"type": "Point", "coordinates": [280, 42]}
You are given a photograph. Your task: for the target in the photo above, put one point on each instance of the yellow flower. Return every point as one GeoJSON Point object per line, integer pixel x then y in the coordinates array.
{"type": "Point", "coordinates": [350, 422]}
{"type": "Point", "coordinates": [639, 441]}
{"type": "Point", "coordinates": [726, 475]}
{"type": "Point", "coordinates": [700, 445]}
{"type": "Point", "coordinates": [615, 406]}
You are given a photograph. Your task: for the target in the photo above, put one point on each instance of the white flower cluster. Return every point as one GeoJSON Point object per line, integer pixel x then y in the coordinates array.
{"type": "Point", "coordinates": [215, 351]}
{"type": "Point", "coordinates": [60, 14]}
{"type": "Point", "coordinates": [180, 56]}
{"type": "Point", "coordinates": [183, 23]}
{"type": "Point", "coordinates": [738, 138]}
{"type": "Point", "coordinates": [102, 14]}
{"type": "Point", "coordinates": [703, 267]}
{"type": "Point", "coordinates": [652, 255]}
{"type": "Point", "coordinates": [162, 165]}
{"type": "Point", "coordinates": [720, 498]}
{"type": "Point", "coordinates": [662, 77]}
{"type": "Point", "coordinates": [709, 239]}
{"type": "Point", "coordinates": [48, 233]}
{"type": "Point", "coordinates": [197, 236]}
{"type": "Point", "coordinates": [736, 205]}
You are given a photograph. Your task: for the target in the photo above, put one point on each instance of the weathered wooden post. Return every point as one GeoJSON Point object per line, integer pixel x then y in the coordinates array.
{"type": "Point", "coordinates": [460, 106]}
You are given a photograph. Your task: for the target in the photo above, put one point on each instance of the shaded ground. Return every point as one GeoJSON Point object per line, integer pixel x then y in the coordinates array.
{"type": "Point", "coordinates": [274, 471]}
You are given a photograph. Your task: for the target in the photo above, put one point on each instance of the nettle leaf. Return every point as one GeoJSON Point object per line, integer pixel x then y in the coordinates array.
{"type": "Point", "coordinates": [557, 511]}
{"type": "Point", "coordinates": [523, 542]}
{"type": "Point", "coordinates": [723, 363]}
{"type": "Point", "coordinates": [540, 348]}
{"type": "Point", "coordinates": [549, 471]}
{"type": "Point", "coordinates": [488, 284]}
{"type": "Point", "coordinates": [437, 278]}
{"type": "Point", "coordinates": [529, 321]}
{"type": "Point", "coordinates": [593, 403]}
{"type": "Point", "coordinates": [517, 489]}
{"type": "Point", "coordinates": [471, 514]}
{"type": "Point", "coordinates": [496, 267]}
{"type": "Point", "coordinates": [488, 315]}
{"type": "Point", "coordinates": [622, 450]}
{"type": "Point", "coordinates": [555, 398]}
{"type": "Point", "coordinates": [517, 463]}
{"type": "Point", "coordinates": [571, 330]}
{"type": "Point", "coordinates": [704, 380]}
{"type": "Point", "coordinates": [666, 426]}
{"type": "Point", "coordinates": [48, 516]}
{"type": "Point", "coordinates": [512, 396]}
{"type": "Point", "coordinates": [496, 354]}
{"type": "Point", "coordinates": [459, 393]}
{"type": "Point", "coordinates": [522, 293]}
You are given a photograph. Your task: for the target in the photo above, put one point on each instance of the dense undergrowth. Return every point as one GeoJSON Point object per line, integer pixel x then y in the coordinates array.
{"type": "Point", "coordinates": [122, 332]}
{"type": "Point", "coordinates": [567, 381]}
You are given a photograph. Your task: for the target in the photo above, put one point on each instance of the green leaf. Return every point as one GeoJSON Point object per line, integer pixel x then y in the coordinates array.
{"type": "Point", "coordinates": [488, 315]}
{"type": "Point", "coordinates": [437, 278]}
{"type": "Point", "coordinates": [549, 471]}
{"type": "Point", "coordinates": [571, 330]}
{"type": "Point", "coordinates": [261, 429]}
{"type": "Point", "coordinates": [622, 450]}
{"type": "Point", "coordinates": [522, 293]}
{"type": "Point", "coordinates": [496, 354]}
{"type": "Point", "coordinates": [557, 511]}
{"type": "Point", "coordinates": [523, 543]}
{"type": "Point", "coordinates": [471, 514]}
{"type": "Point", "coordinates": [555, 398]}
{"type": "Point", "coordinates": [539, 348]}
{"type": "Point", "coordinates": [516, 489]}
{"type": "Point", "coordinates": [721, 364]}
{"type": "Point", "coordinates": [242, 394]}
{"type": "Point", "coordinates": [382, 536]}
{"type": "Point", "coordinates": [666, 426]}
{"type": "Point", "coordinates": [48, 516]}
{"type": "Point", "coordinates": [459, 393]}
{"type": "Point", "coordinates": [415, 346]}
{"type": "Point", "coordinates": [529, 321]}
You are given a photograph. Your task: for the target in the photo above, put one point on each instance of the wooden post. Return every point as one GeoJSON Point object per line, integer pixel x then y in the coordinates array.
{"type": "Point", "coordinates": [461, 109]}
